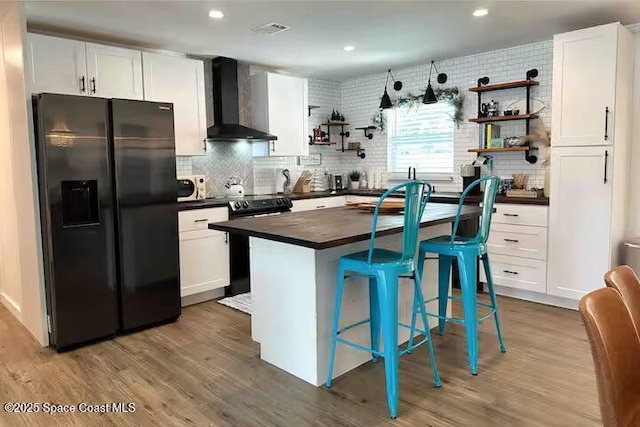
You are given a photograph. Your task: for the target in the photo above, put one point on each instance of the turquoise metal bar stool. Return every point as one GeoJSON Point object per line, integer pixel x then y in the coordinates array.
{"type": "Point", "coordinates": [383, 268]}
{"type": "Point", "coordinates": [466, 251]}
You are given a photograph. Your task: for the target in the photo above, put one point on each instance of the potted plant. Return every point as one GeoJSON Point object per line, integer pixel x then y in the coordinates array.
{"type": "Point", "coordinates": [354, 179]}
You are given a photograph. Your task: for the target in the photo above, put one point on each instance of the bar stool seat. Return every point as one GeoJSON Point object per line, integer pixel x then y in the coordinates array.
{"type": "Point", "coordinates": [359, 260]}
{"type": "Point", "coordinates": [383, 268]}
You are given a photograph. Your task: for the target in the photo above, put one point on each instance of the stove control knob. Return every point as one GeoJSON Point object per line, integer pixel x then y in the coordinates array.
{"type": "Point", "coordinates": [279, 202]}
{"type": "Point", "coordinates": [245, 204]}
{"type": "Point", "coordinates": [237, 205]}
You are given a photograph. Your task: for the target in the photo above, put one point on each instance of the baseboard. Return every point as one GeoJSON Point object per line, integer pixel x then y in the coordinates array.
{"type": "Point", "coordinates": [11, 305]}
{"type": "Point", "coordinates": [536, 297]}
{"type": "Point", "coordinates": [202, 297]}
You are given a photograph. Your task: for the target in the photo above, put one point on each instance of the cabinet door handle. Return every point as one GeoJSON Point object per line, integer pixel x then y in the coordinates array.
{"type": "Point", "coordinates": [226, 238]}
{"type": "Point", "coordinates": [204, 144]}
{"type": "Point", "coordinates": [93, 85]}
{"type": "Point", "coordinates": [83, 87]}
{"type": "Point", "coordinates": [510, 214]}
{"type": "Point", "coordinates": [273, 146]}
{"type": "Point", "coordinates": [321, 206]}
{"type": "Point", "coordinates": [201, 220]}
{"type": "Point", "coordinates": [511, 240]}
{"type": "Point", "coordinates": [606, 161]}
{"type": "Point", "coordinates": [606, 123]}
{"type": "Point", "coordinates": [509, 272]}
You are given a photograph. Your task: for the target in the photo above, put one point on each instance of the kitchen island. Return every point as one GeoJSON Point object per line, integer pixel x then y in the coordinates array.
{"type": "Point", "coordinates": [294, 259]}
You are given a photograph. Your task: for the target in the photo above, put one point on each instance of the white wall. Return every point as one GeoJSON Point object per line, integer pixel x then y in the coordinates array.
{"type": "Point", "coordinates": [634, 182]}
{"type": "Point", "coordinates": [21, 271]}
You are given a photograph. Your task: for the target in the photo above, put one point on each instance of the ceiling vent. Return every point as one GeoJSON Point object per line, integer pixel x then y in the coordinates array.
{"type": "Point", "coordinates": [271, 28]}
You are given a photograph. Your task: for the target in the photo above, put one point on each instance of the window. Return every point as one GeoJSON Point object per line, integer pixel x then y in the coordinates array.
{"type": "Point", "coordinates": [421, 137]}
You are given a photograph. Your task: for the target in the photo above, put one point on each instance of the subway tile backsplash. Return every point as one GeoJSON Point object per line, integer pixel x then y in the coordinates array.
{"type": "Point", "coordinates": [358, 100]}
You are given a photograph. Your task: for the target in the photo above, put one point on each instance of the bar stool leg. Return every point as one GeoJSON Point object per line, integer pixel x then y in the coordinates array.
{"type": "Point", "coordinates": [336, 321]}
{"type": "Point", "coordinates": [467, 267]}
{"type": "Point", "coordinates": [494, 302]}
{"type": "Point", "coordinates": [388, 301]}
{"type": "Point", "coordinates": [444, 274]}
{"type": "Point", "coordinates": [423, 312]}
{"type": "Point", "coordinates": [417, 278]}
{"type": "Point", "coordinates": [374, 316]}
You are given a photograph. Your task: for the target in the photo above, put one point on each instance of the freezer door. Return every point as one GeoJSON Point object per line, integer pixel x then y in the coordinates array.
{"type": "Point", "coordinates": [76, 207]}
{"type": "Point", "coordinates": [147, 212]}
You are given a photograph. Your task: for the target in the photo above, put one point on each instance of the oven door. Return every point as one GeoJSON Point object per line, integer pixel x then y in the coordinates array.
{"type": "Point", "coordinates": [186, 190]}
{"type": "Point", "coordinates": [239, 261]}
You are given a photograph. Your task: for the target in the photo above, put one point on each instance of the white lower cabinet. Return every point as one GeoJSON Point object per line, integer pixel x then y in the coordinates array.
{"type": "Point", "coordinates": [318, 203]}
{"type": "Point", "coordinates": [517, 249]}
{"type": "Point", "coordinates": [519, 273]}
{"type": "Point", "coordinates": [204, 253]}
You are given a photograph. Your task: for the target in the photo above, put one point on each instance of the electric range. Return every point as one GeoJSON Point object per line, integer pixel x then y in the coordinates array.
{"type": "Point", "coordinates": [249, 206]}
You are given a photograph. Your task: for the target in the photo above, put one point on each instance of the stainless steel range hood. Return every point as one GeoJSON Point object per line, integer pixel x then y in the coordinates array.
{"type": "Point", "coordinates": [226, 109]}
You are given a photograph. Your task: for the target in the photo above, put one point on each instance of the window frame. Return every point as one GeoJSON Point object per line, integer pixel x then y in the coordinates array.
{"type": "Point", "coordinates": [396, 175]}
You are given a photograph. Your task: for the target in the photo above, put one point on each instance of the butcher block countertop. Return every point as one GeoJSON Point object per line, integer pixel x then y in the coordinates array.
{"type": "Point", "coordinates": [327, 228]}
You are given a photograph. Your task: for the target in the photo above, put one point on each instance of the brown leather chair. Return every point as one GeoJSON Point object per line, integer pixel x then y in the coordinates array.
{"type": "Point", "coordinates": [615, 348]}
{"type": "Point", "coordinates": [624, 280]}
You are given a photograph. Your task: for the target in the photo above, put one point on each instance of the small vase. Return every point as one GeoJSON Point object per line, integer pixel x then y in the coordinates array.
{"type": "Point", "coordinates": [354, 185]}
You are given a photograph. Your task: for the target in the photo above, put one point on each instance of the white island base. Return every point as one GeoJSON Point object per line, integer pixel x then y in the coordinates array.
{"type": "Point", "coordinates": [293, 298]}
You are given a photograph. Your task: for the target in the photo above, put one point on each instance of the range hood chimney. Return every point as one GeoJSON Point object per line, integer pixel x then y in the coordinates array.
{"type": "Point", "coordinates": [226, 110]}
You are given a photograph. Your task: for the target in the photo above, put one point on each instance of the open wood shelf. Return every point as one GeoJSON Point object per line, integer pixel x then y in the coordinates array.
{"type": "Point", "coordinates": [498, 150]}
{"type": "Point", "coordinates": [350, 149]}
{"type": "Point", "coordinates": [370, 127]}
{"type": "Point", "coordinates": [323, 143]}
{"type": "Point", "coordinates": [507, 85]}
{"type": "Point", "coordinates": [503, 118]}
{"type": "Point", "coordinates": [335, 124]}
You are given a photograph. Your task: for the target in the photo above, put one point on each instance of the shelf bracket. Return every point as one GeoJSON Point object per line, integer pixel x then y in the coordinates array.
{"type": "Point", "coordinates": [529, 157]}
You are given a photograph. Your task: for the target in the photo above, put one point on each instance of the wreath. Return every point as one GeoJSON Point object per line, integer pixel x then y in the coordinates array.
{"type": "Point", "coordinates": [450, 95]}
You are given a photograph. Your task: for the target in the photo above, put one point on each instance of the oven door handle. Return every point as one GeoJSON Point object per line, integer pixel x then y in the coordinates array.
{"type": "Point", "coordinates": [267, 214]}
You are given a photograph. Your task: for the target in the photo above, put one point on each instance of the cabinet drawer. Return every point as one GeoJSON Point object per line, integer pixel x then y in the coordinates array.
{"type": "Point", "coordinates": [518, 240]}
{"type": "Point", "coordinates": [518, 273]}
{"type": "Point", "coordinates": [318, 203]}
{"type": "Point", "coordinates": [507, 213]}
{"type": "Point", "coordinates": [197, 219]}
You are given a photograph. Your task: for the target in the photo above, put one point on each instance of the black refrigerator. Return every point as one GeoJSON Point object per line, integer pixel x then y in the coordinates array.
{"type": "Point", "coordinates": [108, 207]}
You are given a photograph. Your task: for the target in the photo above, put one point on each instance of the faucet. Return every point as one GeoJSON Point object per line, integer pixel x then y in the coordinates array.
{"type": "Point", "coordinates": [411, 168]}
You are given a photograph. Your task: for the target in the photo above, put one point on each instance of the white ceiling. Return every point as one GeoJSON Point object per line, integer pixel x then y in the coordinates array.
{"type": "Point", "coordinates": [385, 33]}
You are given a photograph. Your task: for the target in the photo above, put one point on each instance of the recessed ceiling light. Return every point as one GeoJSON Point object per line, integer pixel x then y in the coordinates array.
{"type": "Point", "coordinates": [480, 12]}
{"type": "Point", "coordinates": [349, 48]}
{"type": "Point", "coordinates": [216, 14]}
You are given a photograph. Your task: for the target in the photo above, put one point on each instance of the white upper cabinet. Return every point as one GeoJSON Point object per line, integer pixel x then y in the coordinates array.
{"type": "Point", "coordinates": [279, 107]}
{"type": "Point", "coordinates": [56, 65]}
{"type": "Point", "coordinates": [180, 81]}
{"type": "Point", "coordinates": [584, 86]}
{"type": "Point", "coordinates": [114, 72]}
{"type": "Point", "coordinates": [77, 68]}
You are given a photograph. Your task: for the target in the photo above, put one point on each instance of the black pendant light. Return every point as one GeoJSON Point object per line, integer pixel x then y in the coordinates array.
{"type": "Point", "coordinates": [430, 95]}
{"type": "Point", "coordinates": [385, 102]}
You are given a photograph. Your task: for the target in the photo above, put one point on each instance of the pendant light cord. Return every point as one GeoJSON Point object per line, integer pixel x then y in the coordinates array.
{"type": "Point", "coordinates": [387, 80]}
{"type": "Point", "coordinates": [433, 65]}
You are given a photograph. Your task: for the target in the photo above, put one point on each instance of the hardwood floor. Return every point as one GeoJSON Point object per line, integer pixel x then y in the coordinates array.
{"type": "Point", "coordinates": [204, 370]}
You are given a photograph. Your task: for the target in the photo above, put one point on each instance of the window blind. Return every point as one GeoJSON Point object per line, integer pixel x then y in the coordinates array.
{"type": "Point", "coordinates": [421, 137]}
